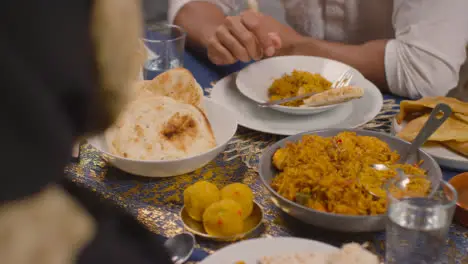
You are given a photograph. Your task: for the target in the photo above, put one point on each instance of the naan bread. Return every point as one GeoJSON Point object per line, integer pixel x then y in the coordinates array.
{"type": "Point", "coordinates": [160, 128]}
{"type": "Point", "coordinates": [461, 117]}
{"type": "Point", "coordinates": [453, 134]}
{"type": "Point", "coordinates": [140, 90]}
{"type": "Point", "coordinates": [459, 147]}
{"type": "Point", "coordinates": [178, 84]}
{"type": "Point", "coordinates": [452, 129]}
{"type": "Point", "coordinates": [427, 103]}
{"type": "Point", "coordinates": [334, 96]}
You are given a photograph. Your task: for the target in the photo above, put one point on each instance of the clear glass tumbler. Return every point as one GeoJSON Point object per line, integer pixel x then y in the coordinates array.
{"type": "Point", "coordinates": [165, 44]}
{"type": "Point", "coordinates": [417, 225]}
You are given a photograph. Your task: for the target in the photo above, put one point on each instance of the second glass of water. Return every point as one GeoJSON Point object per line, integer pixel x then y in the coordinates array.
{"type": "Point", "coordinates": [417, 225]}
{"type": "Point", "coordinates": [165, 44]}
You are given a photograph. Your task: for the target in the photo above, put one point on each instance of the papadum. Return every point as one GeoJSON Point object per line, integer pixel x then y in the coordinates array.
{"type": "Point", "coordinates": [426, 104]}
{"type": "Point", "coordinates": [451, 129]}
{"type": "Point", "coordinates": [453, 134]}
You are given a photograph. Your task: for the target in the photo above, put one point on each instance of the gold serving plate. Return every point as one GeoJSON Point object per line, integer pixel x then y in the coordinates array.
{"type": "Point", "coordinates": [252, 225]}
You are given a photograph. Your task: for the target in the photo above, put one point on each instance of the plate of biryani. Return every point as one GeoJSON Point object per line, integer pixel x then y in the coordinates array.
{"type": "Point", "coordinates": [325, 177]}
{"type": "Point", "coordinates": [285, 77]}
{"type": "Point", "coordinates": [289, 72]}
{"type": "Point", "coordinates": [281, 250]}
{"type": "Point", "coordinates": [449, 144]}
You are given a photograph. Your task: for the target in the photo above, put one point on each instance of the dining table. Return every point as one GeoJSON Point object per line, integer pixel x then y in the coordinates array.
{"type": "Point", "coordinates": [156, 202]}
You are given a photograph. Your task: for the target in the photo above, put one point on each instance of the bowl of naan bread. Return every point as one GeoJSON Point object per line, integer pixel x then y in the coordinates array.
{"type": "Point", "coordinates": [168, 128]}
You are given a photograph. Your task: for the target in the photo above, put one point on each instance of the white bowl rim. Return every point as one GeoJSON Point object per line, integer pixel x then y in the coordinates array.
{"type": "Point", "coordinates": [218, 145]}
{"type": "Point", "coordinates": [293, 107]}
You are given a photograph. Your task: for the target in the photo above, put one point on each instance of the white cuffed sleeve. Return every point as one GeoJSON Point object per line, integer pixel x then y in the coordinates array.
{"type": "Point", "coordinates": [228, 6]}
{"type": "Point", "coordinates": [425, 57]}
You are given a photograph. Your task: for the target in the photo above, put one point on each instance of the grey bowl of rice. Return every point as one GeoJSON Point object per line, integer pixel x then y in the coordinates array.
{"type": "Point", "coordinates": [338, 219]}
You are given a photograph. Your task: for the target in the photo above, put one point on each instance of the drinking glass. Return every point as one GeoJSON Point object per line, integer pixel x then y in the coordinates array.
{"type": "Point", "coordinates": [417, 225]}
{"type": "Point", "coordinates": [165, 44]}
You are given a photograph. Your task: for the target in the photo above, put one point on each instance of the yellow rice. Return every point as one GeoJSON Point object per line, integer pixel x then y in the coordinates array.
{"type": "Point", "coordinates": [290, 84]}
{"type": "Point", "coordinates": [334, 174]}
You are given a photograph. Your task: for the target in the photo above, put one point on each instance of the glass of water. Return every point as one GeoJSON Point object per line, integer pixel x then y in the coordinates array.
{"type": "Point", "coordinates": [418, 223]}
{"type": "Point", "coordinates": [165, 44]}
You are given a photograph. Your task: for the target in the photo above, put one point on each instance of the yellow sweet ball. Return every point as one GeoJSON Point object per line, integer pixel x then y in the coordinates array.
{"type": "Point", "coordinates": [198, 197]}
{"type": "Point", "coordinates": [240, 193]}
{"type": "Point", "coordinates": [223, 218]}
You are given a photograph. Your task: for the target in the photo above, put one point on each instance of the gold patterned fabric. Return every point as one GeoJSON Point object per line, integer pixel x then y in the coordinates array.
{"type": "Point", "coordinates": [156, 202]}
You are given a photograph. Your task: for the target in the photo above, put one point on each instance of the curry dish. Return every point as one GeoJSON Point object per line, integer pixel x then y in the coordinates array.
{"type": "Point", "coordinates": [334, 174]}
{"type": "Point", "coordinates": [297, 83]}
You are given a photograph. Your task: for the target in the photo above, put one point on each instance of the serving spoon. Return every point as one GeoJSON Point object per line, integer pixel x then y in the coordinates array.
{"type": "Point", "coordinates": [438, 116]}
{"type": "Point", "coordinates": [180, 247]}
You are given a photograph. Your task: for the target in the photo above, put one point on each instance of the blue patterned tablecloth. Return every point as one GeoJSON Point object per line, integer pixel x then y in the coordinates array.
{"type": "Point", "coordinates": [156, 202]}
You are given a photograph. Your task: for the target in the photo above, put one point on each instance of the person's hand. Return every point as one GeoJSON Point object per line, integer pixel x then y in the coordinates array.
{"type": "Point", "coordinates": [274, 36]}
{"type": "Point", "coordinates": [250, 36]}
{"type": "Point", "coordinates": [233, 41]}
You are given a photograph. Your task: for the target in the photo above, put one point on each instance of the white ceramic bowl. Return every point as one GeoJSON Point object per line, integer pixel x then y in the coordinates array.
{"type": "Point", "coordinates": [254, 80]}
{"type": "Point", "coordinates": [224, 127]}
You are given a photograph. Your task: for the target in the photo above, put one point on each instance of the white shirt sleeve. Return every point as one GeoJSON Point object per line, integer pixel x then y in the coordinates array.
{"type": "Point", "coordinates": [228, 6]}
{"type": "Point", "coordinates": [425, 57]}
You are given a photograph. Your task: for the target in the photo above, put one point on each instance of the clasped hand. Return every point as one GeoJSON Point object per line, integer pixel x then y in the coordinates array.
{"type": "Point", "coordinates": [249, 36]}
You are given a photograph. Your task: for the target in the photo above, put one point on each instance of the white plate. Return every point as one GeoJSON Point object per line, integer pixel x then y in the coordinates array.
{"type": "Point", "coordinates": [444, 156]}
{"type": "Point", "coordinates": [348, 115]}
{"type": "Point", "coordinates": [250, 251]}
{"type": "Point", "coordinates": [254, 80]}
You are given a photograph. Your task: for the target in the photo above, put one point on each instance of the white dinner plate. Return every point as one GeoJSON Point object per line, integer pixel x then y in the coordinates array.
{"type": "Point", "coordinates": [250, 251]}
{"type": "Point", "coordinates": [254, 80]}
{"type": "Point", "coordinates": [444, 156]}
{"type": "Point", "coordinates": [248, 114]}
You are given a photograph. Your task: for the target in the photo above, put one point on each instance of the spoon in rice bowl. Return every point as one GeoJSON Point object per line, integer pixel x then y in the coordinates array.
{"type": "Point", "coordinates": [438, 116]}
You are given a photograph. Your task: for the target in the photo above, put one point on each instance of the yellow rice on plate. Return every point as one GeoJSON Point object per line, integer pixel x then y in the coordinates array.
{"type": "Point", "coordinates": [334, 174]}
{"type": "Point", "coordinates": [296, 83]}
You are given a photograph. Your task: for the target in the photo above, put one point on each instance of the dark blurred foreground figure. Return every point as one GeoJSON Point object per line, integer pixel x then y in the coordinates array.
{"type": "Point", "coordinates": [64, 67]}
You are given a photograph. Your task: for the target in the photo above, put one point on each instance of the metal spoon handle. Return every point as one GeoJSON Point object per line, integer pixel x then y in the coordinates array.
{"type": "Point", "coordinates": [433, 123]}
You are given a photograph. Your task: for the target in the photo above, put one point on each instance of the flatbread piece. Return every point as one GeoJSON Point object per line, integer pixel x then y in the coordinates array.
{"type": "Point", "coordinates": [459, 147]}
{"type": "Point", "coordinates": [334, 96]}
{"type": "Point", "coordinates": [160, 128]}
{"type": "Point", "coordinates": [427, 103]}
{"type": "Point", "coordinates": [452, 130]}
{"type": "Point", "coordinates": [178, 84]}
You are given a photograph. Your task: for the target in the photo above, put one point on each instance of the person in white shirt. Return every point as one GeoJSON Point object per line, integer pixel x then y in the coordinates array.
{"type": "Point", "coordinates": [412, 48]}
